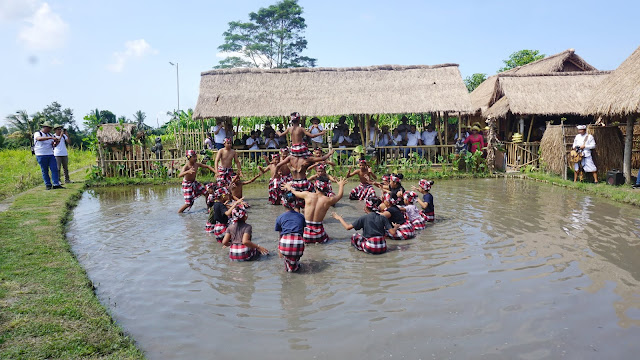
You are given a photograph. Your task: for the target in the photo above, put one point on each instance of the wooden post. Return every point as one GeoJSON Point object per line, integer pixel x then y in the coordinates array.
{"type": "Point", "coordinates": [459, 125]}
{"type": "Point", "coordinates": [530, 128]}
{"type": "Point", "coordinates": [446, 129]}
{"type": "Point", "coordinates": [439, 128]}
{"type": "Point", "coordinates": [367, 118]}
{"type": "Point", "coordinates": [564, 153]}
{"type": "Point", "coordinates": [628, 149]}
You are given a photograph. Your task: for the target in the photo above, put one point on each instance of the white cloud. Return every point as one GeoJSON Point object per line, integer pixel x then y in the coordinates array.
{"type": "Point", "coordinates": [44, 29]}
{"type": "Point", "coordinates": [12, 10]}
{"type": "Point", "coordinates": [132, 49]}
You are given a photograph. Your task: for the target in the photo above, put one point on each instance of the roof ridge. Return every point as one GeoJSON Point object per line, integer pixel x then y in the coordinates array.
{"type": "Point", "coordinates": [388, 67]}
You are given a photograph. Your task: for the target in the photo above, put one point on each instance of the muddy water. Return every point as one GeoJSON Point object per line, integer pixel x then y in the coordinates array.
{"type": "Point", "coordinates": [512, 269]}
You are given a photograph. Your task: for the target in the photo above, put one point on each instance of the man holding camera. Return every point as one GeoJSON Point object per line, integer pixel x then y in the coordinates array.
{"type": "Point", "coordinates": [44, 142]}
{"type": "Point", "coordinates": [60, 151]}
{"type": "Point", "coordinates": [584, 143]}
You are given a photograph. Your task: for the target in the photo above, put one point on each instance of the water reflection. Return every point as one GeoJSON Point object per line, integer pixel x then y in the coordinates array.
{"type": "Point", "coordinates": [506, 268]}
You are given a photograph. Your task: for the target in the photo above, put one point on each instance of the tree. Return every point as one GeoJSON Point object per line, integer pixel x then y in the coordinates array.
{"type": "Point", "coordinates": [271, 39]}
{"type": "Point", "coordinates": [139, 117]}
{"type": "Point", "coordinates": [520, 58]}
{"type": "Point", "coordinates": [56, 115]}
{"type": "Point", "coordinates": [122, 119]}
{"type": "Point", "coordinates": [474, 81]}
{"type": "Point", "coordinates": [24, 124]}
{"type": "Point", "coordinates": [107, 117]}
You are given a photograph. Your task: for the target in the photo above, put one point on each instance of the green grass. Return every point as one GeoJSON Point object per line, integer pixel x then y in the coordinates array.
{"type": "Point", "coordinates": [622, 193]}
{"type": "Point", "coordinates": [48, 307]}
{"type": "Point", "coordinates": [20, 171]}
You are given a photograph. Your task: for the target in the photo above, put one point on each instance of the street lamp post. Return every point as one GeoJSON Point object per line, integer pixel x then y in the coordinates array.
{"type": "Point", "coordinates": [177, 81]}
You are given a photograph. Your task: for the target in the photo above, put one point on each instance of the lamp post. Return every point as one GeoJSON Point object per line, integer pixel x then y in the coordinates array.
{"type": "Point", "coordinates": [177, 81]}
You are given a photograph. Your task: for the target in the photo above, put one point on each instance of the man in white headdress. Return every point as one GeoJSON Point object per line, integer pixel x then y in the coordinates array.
{"type": "Point", "coordinates": [585, 143]}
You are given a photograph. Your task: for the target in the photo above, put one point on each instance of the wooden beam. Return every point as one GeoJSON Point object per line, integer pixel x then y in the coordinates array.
{"type": "Point", "coordinates": [530, 127]}
{"type": "Point", "coordinates": [446, 129]}
{"type": "Point", "coordinates": [628, 149]}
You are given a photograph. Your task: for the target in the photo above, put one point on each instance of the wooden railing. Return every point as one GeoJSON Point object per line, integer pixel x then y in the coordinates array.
{"type": "Point", "coordinates": [522, 154]}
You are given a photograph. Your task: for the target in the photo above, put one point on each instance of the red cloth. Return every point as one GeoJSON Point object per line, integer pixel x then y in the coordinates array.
{"type": "Point", "coordinates": [374, 245]}
{"type": "Point", "coordinates": [291, 246]}
{"type": "Point", "coordinates": [314, 232]}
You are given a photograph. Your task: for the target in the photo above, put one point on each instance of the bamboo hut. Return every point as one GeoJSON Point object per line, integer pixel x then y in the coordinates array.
{"type": "Point", "coordinates": [558, 139]}
{"type": "Point", "coordinates": [619, 96]}
{"type": "Point", "coordinates": [115, 134]}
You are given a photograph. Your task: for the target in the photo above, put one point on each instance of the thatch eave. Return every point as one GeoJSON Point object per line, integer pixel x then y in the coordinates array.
{"type": "Point", "coordinates": [112, 134]}
{"type": "Point", "coordinates": [619, 94]}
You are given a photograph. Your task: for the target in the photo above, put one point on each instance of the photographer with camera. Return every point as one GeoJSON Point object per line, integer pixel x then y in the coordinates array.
{"type": "Point", "coordinates": [60, 151]}
{"type": "Point", "coordinates": [44, 143]}
{"type": "Point", "coordinates": [219, 134]}
{"type": "Point", "coordinates": [581, 154]}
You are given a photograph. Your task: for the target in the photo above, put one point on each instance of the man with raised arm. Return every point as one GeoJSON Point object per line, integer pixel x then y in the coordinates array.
{"type": "Point", "coordinates": [367, 177]}
{"type": "Point", "coordinates": [298, 147]}
{"type": "Point", "coordinates": [223, 162]}
{"type": "Point", "coordinates": [316, 206]}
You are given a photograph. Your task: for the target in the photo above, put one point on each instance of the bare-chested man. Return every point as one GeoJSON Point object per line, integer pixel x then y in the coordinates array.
{"type": "Point", "coordinates": [275, 192]}
{"type": "Point", "coordinates": [317, 205]}
{"type": "Point", "coordinates": [191, 189]}
{"type": "Point", "coordinates": [285, 172]}
{"type": "Point", "coordinates": [298, 167]}
{"type": "Point", "coordinates": [223, 161]}
{"type": "Point", "coordinates": [236, 185]}
{"type": "Point", "coordinates": [320, 176]}
{"type": "Point", "coordinates": [367, 177]}
{"type": "Point", "coordinates": [298, 147]}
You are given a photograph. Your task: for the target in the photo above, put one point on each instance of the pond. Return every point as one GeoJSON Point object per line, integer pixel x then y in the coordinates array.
{"type": "Point", "coordinates": [510, 269]}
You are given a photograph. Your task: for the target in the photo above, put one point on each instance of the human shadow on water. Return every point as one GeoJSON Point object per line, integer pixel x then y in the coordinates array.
{"type": "Point", "coordinates": [313, 266]}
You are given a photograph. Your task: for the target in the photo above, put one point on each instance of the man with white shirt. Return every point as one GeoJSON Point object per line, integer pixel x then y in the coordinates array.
{"type": "Point", "coordinates": [252, 144]}
{"type": "Point", "coordinates": [339, 129]}
{"type": "Point", "coordinates": [429, 137]}
{"type": "Point", "coordinates": [60, 151]}
{"type": "Point", "coordinates": [413, 139]}
{"type": "Point", "coordinates": [585, 143]}
{"type": "Point", "coordinates": [43, 145]}
{"type": "Point", "coordinates": [219, 134]}
{"type": "Point", "coordinates": [316, 142]}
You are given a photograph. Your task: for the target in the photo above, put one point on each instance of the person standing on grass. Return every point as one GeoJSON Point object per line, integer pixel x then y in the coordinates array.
{"type": "Point", "coordinates": [44, 142]}
{"type": "Point", "coordinates": [191, 189]}
{"type": "Point", "coordinates": [61, 153]}
{"type": "Point", "coordinates": [585, 142]}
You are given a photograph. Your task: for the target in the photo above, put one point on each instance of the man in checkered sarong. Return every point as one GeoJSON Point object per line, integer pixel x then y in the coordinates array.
{"type": "Point", "coordinates": [364, 190]}
{"type": "Point", "coordinates": [291, 226]}
{"type": "Point", "coordinates": [223, 162]}
{"type": "Point", "coordinates": [316, 206]}
{"type": "Point", "coordinates": [298, 147]}
{"type": "Point", "coordinates": [191, 189]}
{"type": "Point", "coordinates": [275, 192]}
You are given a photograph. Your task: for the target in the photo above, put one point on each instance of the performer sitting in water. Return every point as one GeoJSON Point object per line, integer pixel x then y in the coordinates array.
{"type": "Point", "coordinates": [218, 220]}
{"type": "Point", "coordinates": [428, 211]}
{"type": "Point", "coordinates": [395, 215]}
{"type": "Point", "coordinates": [191, 189]}
{"type": "Point", "coordinates": [237, 184]}
{"type": "Point", "coordinates": [411, 211]}
{"type": "Point", "coordinates": [275, 181]}
{"type": "Point", "coordinates": [316, 206]}
{"type": "Point", "coordinates": [238, 239]}
{"type": "Point", "coordinates": [223, 162]}
{"type": "Point", "coordinates": [291, 227]}
{"type": "Point", "coordinates": [298, 167]}
{"type": "Point", "coordinates": [374, 227]}
{"type": "Point", "coordinates": [298, 147]}
{"type": "Point", "coordinates": [367, 177]}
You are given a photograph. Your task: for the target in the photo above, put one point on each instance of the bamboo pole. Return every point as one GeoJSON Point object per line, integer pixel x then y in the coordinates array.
{"type": "Point", "coordinates": [628, 149]}
{"type": "Point", "coordinates": [439, 129]}
{"type": "Point", "coordinates": [446, 129]}
{"type": "Point", "coordinates": [366, 132]}
{"type": "Point", "coordinates": [459, 126]}
{"type": "Point", "coordinates": [564, 153]}
{"type": "Point", "coordinates": [530, 128]}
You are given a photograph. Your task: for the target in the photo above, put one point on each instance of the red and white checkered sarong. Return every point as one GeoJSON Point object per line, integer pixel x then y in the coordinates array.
{"type": "Point", "coordinates": [314, 232]}
{"type": "Point", "coordinates": [300, 150]}
{"type": "Point", "coordinates": [291, 246]}
{"type": "Point", "coordinates": [419, 223]}
{"type": "Point", "coordinates": [361, 192]}
{"type": "Point", "coordinates": [191, 190]}
{"type": "Point", "coordinates": [275, 193]}
{"type": "Point", "coordinates": [404, 232]}
{"type": "Point", "coordinates": [429, 216]}
{"type": "Point", "coordinates": [373, 245]}
{"type": "Point", "coordinates": [225, 175]}
{"type": "Point", "coordinates": [210, 200]}
{"type": "Point", "coordinates": [218, 230]}
{"type": "Point", "coordinates": [301, 185]}
{"type": "Point", "coordinates": [241, 252]}
{"type": "Point", "coordinates": [286, 178]}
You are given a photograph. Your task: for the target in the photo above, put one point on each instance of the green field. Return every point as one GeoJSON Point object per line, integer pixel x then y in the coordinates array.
{"type": "Point", "coordinates": [20, 171]}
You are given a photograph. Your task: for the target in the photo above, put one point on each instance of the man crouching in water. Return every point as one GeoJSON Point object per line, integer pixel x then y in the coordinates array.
{"type": "Point", "coordinates": [316, 206]}
{"type": "Point", "coordinates": [191, 189]}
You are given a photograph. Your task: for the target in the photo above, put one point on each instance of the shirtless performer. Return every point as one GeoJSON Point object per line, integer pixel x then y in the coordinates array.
{"type": "Point", "coordinates": [191, 189]}
{"type": "Point", "coordinates": [223, 161]}
{"type": "Point", "coordinates": [285, 172]}
{"type": "Point", "coordinates": [317, 205]}
{"type": "Point", "coordinates": [298, 167]}
{"type": "Point", "coordinates": [275, 192]}
{"type": "Point", "coordinates": [298, 147]}
{"type": "Point", "coordinates": [236, 185]}
{"type": "Point", "coordinates": [365, 189]}
{"type": "Point", "coordinates": [322, 178]}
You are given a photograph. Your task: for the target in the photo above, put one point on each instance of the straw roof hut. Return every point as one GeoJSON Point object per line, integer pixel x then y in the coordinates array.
{"type": "Point", "coordinates": [619, 96]}
{"type": "Point", "coordinates": [386, 89]}
{"type": "Point", "coordinates": [113, 134]}
{"type": "Point", "coordinates": [548, 94]}
{"type": "Point", "coordinates": [567, 61]}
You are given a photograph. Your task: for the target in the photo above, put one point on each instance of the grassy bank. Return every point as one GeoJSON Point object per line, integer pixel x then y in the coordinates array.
{"type": "Point", "coordinates": [622, 193]}
{"type": "Point", "coordinates": [20, 171]}
{"type": "Point", "coordinates": [48, 307]}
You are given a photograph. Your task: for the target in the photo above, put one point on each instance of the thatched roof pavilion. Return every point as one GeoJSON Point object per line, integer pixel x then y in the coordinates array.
{"type": "Point", "coordinates": [567, 61]}
{"type": "Point", "coordinates": [111, 134]}
{"type": "Point", "coordinates": [548, 94]}
{"type": "Point", "coordinates": [386, 89]}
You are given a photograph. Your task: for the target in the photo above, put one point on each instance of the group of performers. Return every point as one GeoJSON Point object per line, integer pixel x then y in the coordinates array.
{"type": "Point", "coordinates": [393, 215]}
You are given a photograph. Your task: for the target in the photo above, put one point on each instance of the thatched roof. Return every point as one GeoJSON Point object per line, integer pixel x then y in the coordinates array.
{"type": "Point", "coordinates": [545, 94]}
{"type": "Point", "coordinates": [619, 94]}
{"type": "Point", "coordinates": [386, 89]}
{"type": "Point", "coordinates": [115, 133]}
{"type": "Point", "coordinates": [567, 61]}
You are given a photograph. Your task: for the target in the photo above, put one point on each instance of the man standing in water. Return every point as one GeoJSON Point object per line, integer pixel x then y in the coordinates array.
{"type": "Point", "coordinates": [191, 189]}
{"type": "Point", "coordinates": [298, 147]}
{"type": "Point", "coordinates": [316, 206]}
{"type": "Point", "coordinates": [585, 142]}
{"type": "Point", "coordinates": [223, 161]}
{"type": "Point", "coordinates": [298, 166]}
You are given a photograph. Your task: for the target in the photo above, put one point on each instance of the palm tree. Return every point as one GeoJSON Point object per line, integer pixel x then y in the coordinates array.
{"type": "Point", "coordinates": [24, 124]}
{"type": "Point", "coordinates": [139, 117]}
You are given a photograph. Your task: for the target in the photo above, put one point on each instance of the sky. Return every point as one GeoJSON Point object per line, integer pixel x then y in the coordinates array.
{"type": "Point", "coordinates": [115, 55]}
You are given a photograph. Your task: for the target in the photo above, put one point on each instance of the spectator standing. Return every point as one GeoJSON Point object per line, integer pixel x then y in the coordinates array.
{"type": "Point", "coordinates": [219, 134]}
{"type": "Point", "coordinates": [208, 142]}
{"type": "Point", "coordinates": [268, 129]}
{"type": "Point", "coordinates": [339, 129]}
{"type": "Point", "coordinates": [404, 127]}
{"type": "Point", "coordinates": [60, 151]}
{"type": "Point", "coordinates": [315, 128]}
{"type": "Point", "coordinates": [413, 139]}
{"type": "Point", "coordinates": [43, 145]}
